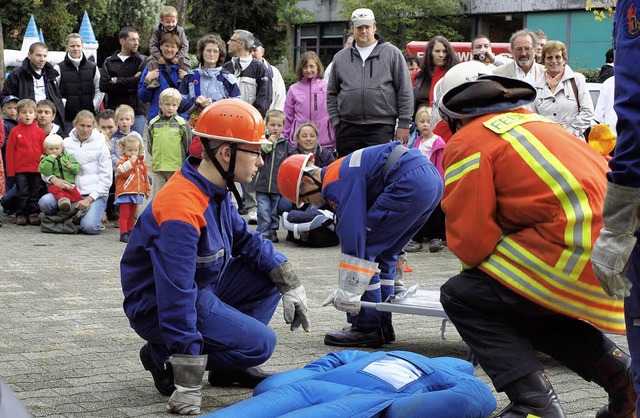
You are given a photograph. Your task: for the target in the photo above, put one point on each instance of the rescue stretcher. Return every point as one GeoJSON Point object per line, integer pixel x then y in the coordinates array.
{"type": "Point", "coordinates": [417, 301]}
{"type": "Point", "coordinates": [414, 301]}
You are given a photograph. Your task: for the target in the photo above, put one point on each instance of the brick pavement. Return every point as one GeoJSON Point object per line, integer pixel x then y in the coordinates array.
{"type": "Point", "coordinates": [67, 350]}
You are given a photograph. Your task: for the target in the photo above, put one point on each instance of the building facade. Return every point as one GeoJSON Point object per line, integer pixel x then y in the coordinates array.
{"type": "Point", "coordinates": [587, 39]}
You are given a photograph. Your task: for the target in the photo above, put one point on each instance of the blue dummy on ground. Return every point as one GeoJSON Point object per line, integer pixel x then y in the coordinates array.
{"type": "Point", "coordinates": [395, 384]}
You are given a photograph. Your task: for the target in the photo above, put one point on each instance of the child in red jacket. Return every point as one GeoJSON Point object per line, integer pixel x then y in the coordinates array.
{"type": "Point", "coordinates": [132, 183]}
{"type": "Point", "coordinates": [25, 146]}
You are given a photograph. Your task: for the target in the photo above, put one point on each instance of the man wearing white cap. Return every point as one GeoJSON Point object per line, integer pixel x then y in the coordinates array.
{"type": "Point", "coordinates": [369, 90]}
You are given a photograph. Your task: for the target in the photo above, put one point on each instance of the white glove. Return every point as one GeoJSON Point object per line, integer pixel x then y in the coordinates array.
{"type": "Point", "coordinates": [353, 280]}
{"type": "Point", "coordinates": [611, 252]}
{"type": "Point", "coordinates": [294, 305]}
{"type": "Point", "coordinates": [187, 378]}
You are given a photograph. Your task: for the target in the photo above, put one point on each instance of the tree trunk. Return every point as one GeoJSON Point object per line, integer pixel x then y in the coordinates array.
{"type": "Point", "coordinates": [181, 7]}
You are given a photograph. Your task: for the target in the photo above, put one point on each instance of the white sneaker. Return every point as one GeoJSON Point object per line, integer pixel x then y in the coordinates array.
{"type": "Point", "coordinates": [253, 218]}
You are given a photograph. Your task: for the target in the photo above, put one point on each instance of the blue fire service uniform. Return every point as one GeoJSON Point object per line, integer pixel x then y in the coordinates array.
{"type": "Point", "coordinates": [625, 165]}
{"type": "Point", "coordinates": [195, 278]}
{"type": "Point", "coordinates": [395, 384]}
{"type": "Point", "coordinates": [377, 215]}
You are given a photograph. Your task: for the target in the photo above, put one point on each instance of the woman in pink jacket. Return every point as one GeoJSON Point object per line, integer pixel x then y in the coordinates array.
{"type": "Point", "coordinates": [307, 102]}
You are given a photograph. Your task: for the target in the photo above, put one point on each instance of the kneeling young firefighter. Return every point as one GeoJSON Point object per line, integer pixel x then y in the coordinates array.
{"type": "Point", "coordinates": [381, 196]}
{"type": "Point", "coordinates": [523, 202]}
{"type": "Point", "coordinates": [198, 285]}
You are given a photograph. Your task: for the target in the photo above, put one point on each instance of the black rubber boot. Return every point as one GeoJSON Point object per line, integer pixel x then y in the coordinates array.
{"type": "Point", "coordinates": [162, 378]}
{"type": "Point", "coordinates": [353, 336]}
{"type": "Point", "coordinates": [613, 373]}
{"type": "Point", "coordinates": [388, 333]}
{"type": "Point", "coordinates": [248, 378]}
{"type": "Point", "coordinates": [531, 396]}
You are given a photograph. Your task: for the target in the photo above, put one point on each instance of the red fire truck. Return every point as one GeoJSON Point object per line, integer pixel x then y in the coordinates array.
{"type": "Point", "coordinates": [463, 49]}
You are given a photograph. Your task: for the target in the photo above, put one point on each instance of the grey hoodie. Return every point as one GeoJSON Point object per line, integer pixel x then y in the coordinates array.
{"type": "Point", "coordinates": [377, 92]}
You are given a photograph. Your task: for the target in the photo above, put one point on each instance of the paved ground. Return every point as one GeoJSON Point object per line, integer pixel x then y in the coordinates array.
{"type": "Point", "coordinates": [66, 348]}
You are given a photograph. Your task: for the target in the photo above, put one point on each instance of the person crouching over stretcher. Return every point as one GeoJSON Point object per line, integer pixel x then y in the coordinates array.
{"type": "Point", "coordinates": [527, 283]}
{"type": "Point", "coordinates": [381, 196]}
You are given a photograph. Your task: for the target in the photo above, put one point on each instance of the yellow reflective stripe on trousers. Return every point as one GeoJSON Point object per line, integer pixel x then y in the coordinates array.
{"type": "Point", "coordinates": [511, 274]}
{"type": "Point", "coordinates": [571, 195]}
{"type": "Point", "coordinates": [458, 170]}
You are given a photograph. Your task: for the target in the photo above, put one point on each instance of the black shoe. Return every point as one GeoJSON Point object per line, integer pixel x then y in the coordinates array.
{"type": "Point", "coordinates": [353, 336]}
{"type": "Point", "coordinates": [124, 236]}
{"type": "Point", "coordinates": [388, 333]}
{"type": "Point", "coordinates": [248, 378]}
{"type": "Point", "coordinates": [163, 379]}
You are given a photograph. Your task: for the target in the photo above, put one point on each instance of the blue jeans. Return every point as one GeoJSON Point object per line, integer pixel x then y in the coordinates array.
{"type": "Point", "coordinates": [91, 222]}
{"type": "Point", "coordinates": [28, 191]}
{"type": "Point", "coordinates": [138, 124]}
{"type": "Point", "coordinates": [268, 214]}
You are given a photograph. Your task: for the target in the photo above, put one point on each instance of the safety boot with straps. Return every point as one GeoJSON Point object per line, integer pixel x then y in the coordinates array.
{"type": "Point", "coordinates": [613, 373]}
{"type": "Point", "coordinates": [531, 396]}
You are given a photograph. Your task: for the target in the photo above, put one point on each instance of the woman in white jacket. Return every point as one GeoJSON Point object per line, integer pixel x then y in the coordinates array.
{"type": "Point", "coordinates": [89, 148]}
{"type": "Point", "coordinates": [563, 97]}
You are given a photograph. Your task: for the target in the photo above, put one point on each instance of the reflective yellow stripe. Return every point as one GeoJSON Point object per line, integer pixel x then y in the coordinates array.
{"type": "Point", "coordinates": [567, 189]}
{"type": "Point", "coordinates": [511, 275]}
{"type": "Point", "coordinates": [458, 170]}
{"type": "Point", "coordinates": [519, 255]}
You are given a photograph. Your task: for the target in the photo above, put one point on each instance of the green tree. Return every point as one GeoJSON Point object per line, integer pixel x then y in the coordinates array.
{"type": "Point", "coordinates": [290, 14]}
{"type": "Point", "coordinates": [269, 20]}
{"type": "Point", "coordinates": [401, 21]}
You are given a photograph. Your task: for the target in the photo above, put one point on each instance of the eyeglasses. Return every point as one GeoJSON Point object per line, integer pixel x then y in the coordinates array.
{"type": "Point", "coordinates": [256, 153]}
{"type": "Point", "coordinates": [526, 48]}
{"type": "Point", "coordinates": [235, 40]}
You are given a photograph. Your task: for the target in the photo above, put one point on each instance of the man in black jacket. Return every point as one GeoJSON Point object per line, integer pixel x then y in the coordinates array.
{"type": "Point", "coordinates": [79, 81]}
{"type": "Point", "coordinates": [35, 79]}
{"type": "Point", "coordinates": [120, 76]}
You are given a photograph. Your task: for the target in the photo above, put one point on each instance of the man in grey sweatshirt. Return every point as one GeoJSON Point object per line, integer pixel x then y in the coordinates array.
{"type": "Point", "coordinates": [369, 90]}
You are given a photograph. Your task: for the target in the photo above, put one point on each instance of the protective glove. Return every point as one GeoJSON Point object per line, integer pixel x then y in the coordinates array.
{"type": "Point", "coordinates": [294, 297]}
{"type": "Point", "coordinates": [398, 284]}
{"type": "Point", "coordinates": [611, 252]}
{"type": "Point", "coordinates": [353, 279]}
{"type": "Point", "coordinates": [294, 305]}
{"type": "Point", "coordinates": [187, 378]}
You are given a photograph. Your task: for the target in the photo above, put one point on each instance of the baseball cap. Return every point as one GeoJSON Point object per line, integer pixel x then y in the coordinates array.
{"type": "Point", "coordinates": [256, 43]}
{"type": "Point", "coordinates": [361, 17]}
{"type": "Point", "coordinates": [8, 99]}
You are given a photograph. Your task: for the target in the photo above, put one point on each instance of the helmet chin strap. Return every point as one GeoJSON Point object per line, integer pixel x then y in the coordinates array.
{"type": "Point", "coordinates": [453, 123]}
{"type": "Point", "coordinates": [317, 183]}
{"type": "Point", "coordinates": [228, 175]}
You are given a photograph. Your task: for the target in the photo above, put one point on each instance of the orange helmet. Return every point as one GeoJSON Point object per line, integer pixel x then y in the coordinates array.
{"type": "Point", "coordinates": [231, 120]}
{"type": "Point", "coordinates": [290, 176]}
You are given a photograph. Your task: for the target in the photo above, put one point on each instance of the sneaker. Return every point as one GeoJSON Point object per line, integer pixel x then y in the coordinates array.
{"type": "Point", "coordinates": [412, 247]}
{"type": "Point", "coordinates": [273, 236]}
{"type": "Point", "coordinates": [124, 237]}
{"type": "Point", "coordinates": [64, 204]}
{"type": "Point", "coordinates": [436, 245]}
{"type": "Point", "coordinates": [21, 220]}
{"type": "Point", "coordinates": [253, 218]}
